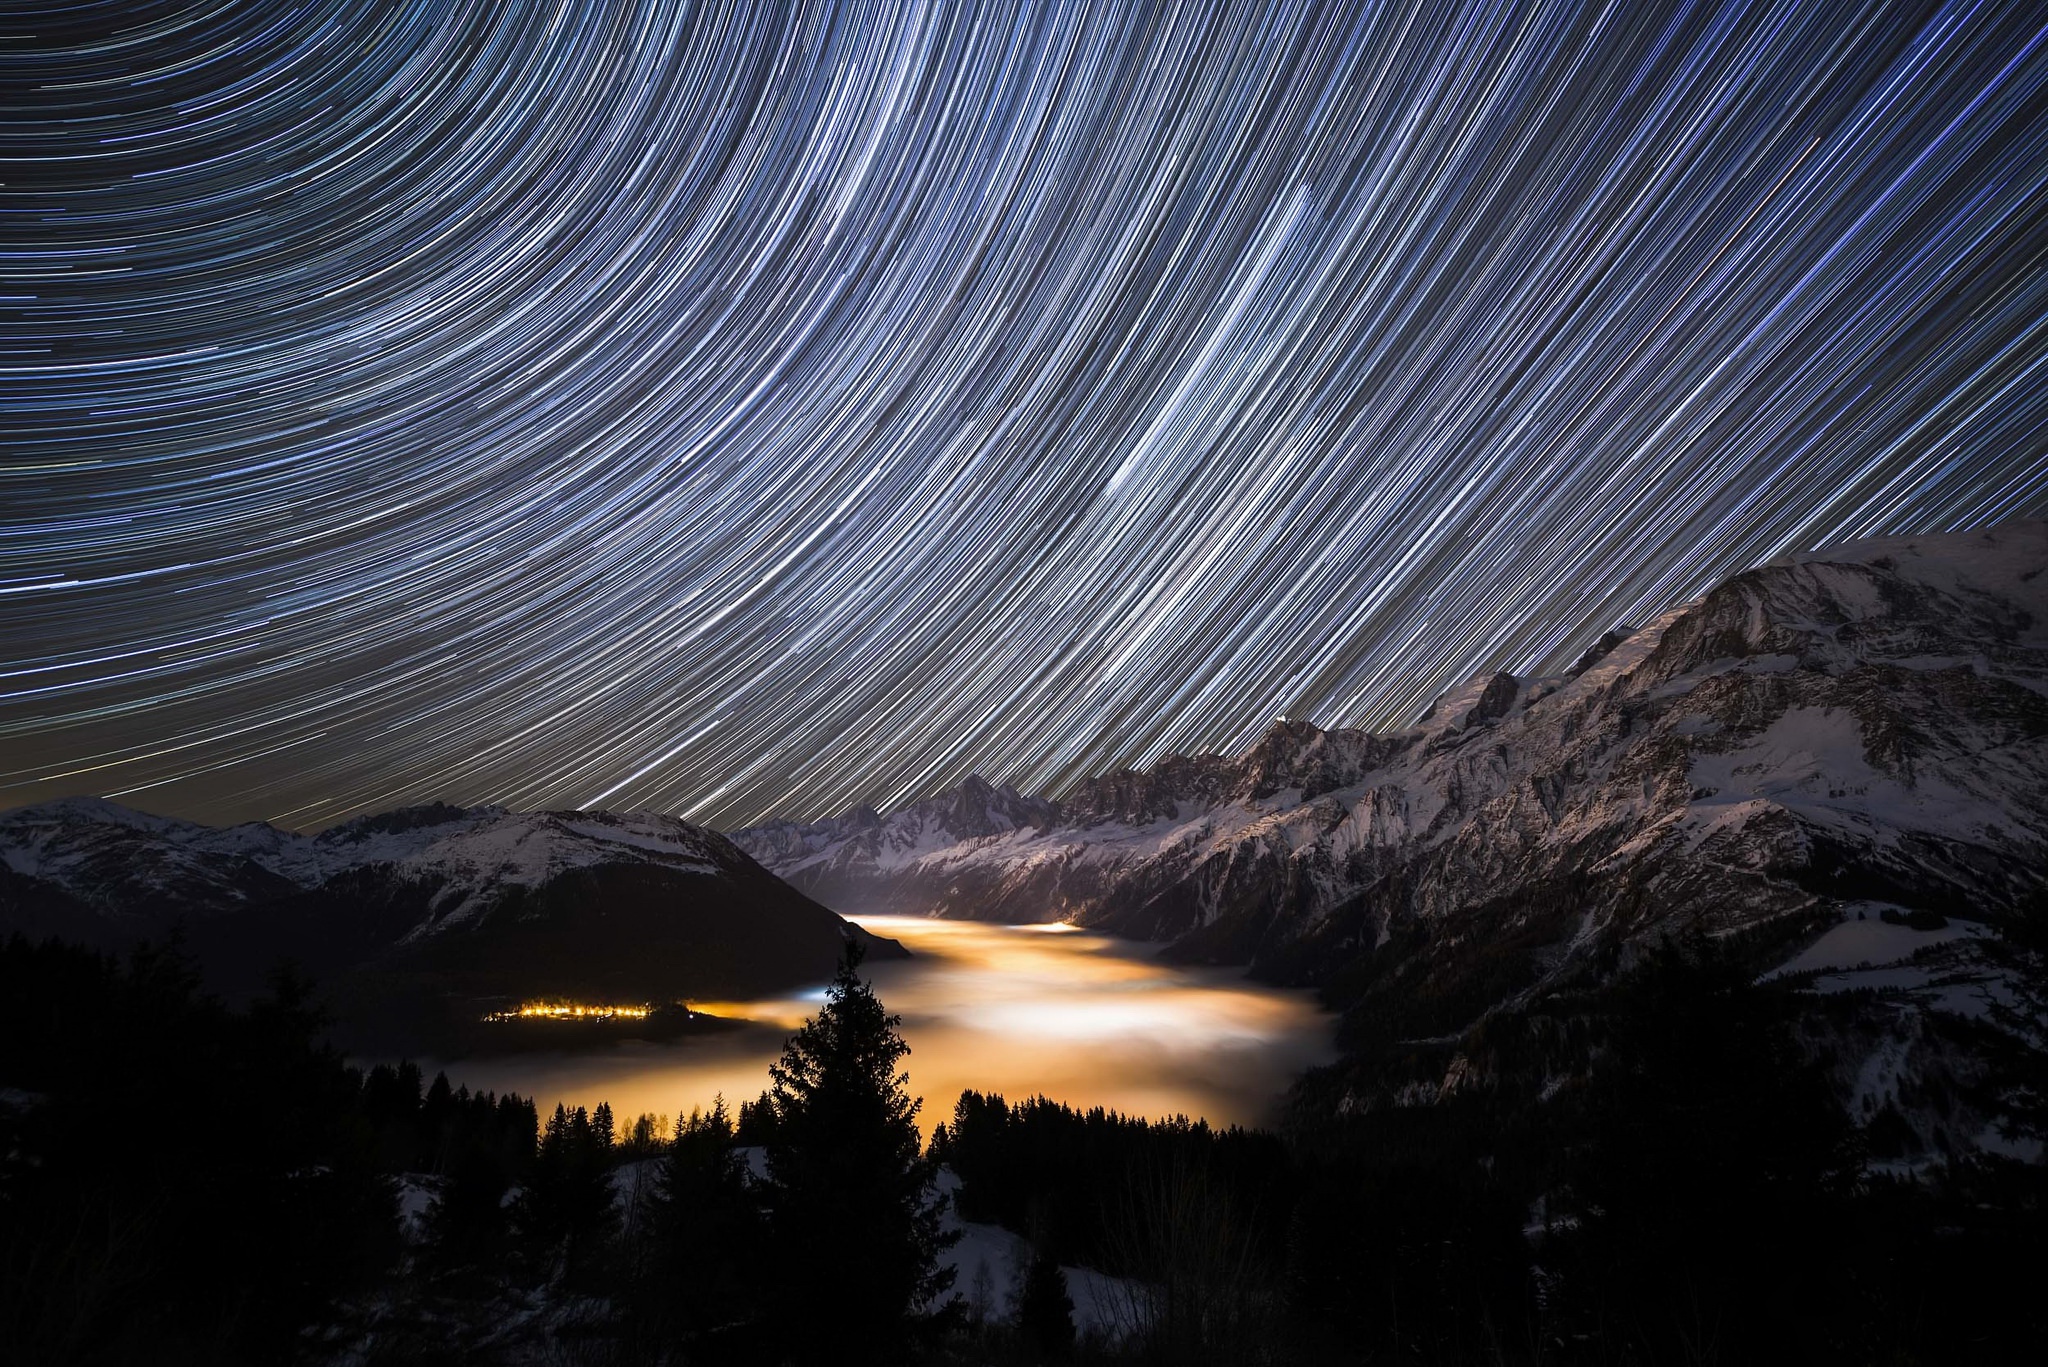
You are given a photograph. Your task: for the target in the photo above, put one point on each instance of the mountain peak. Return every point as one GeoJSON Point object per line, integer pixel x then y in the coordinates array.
{"type": "Point", "coordinates": [1598, 651]}
{"type": "Point", "coordinates": [1480, 699]}
{"type": "Point", "coordinates": [1283, 736]}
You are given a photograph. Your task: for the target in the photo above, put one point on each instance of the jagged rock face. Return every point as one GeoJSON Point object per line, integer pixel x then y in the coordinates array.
{"type": "Point", "coordinates": [840, 859]}
{"type": "Point", "coordinates": [1870, 721]}
{"type": "Point", "coordinates": [1131, 797]}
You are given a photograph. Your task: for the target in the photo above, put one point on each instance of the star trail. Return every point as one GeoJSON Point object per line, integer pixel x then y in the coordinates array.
{"type": "Point", "coordinates": [746, 410]}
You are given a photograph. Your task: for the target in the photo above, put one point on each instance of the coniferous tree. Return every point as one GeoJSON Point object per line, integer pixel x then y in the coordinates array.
{"type": "Point", "coordinates": [1045, 1312]}
{"type": "Point", "coordinates": [466, 1223]}
{"type": "Point", "coordinates": [567, 1211]}
{"type": "Point", "coordinates": [708, 1282]}
{"type": "Point", "coordinates": [849, 1186]}
{"type": "Point", "coordinates": [755, 1126]}
{"type": "Point", "coordinates": [223, 1230]}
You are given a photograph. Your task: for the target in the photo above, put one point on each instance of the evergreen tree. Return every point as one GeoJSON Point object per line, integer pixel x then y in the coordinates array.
{"type": "Point", "coordinates": [567, 1209]}
{"type": "Point", "coordinates": [179, 1182]}
{"type": "Point", "coordinates": [849, 1187]}
{"type": "Point", "coordinates": [466, 1224]}
{"type": "Point", "coordinates": [1045, 1312]}
{"type": "Point", "coordinates": [755, 1127]}
{"type": "Point", "coordinates": [708, 1273]}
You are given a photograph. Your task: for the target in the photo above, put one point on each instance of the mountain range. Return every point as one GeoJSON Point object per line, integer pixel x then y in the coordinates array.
{"type": "Point", "coordinates": [1835, 765]}
{"type": "Point", "coordinates": [1870, 721]}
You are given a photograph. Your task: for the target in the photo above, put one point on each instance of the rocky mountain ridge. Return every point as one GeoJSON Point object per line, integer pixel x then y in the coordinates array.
{"type": "Point", "coordinates": [1876, 713]}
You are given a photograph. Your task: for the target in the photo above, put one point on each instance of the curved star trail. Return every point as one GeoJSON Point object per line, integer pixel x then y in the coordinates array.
{"type": "Point", "coordinates": [737, 410]}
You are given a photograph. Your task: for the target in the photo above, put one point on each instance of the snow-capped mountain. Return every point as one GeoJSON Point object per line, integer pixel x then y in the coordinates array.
{"type": "Point", "coordinates": [1868, 720]}
{"type": "Point", "coordinates": [1860, 729]}
{"type": "Point", "coordinates": [431, 900]}
{"type": "Point", "coordinates": [132, 866]}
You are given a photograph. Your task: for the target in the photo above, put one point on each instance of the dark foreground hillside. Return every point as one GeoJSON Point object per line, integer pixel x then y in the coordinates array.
{"type": "Point", "coordinates": [181, 1182]}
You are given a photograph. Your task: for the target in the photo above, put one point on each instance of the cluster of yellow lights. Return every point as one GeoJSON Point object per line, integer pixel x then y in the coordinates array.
{"type": "Point", "coordinates": [571, 1011]}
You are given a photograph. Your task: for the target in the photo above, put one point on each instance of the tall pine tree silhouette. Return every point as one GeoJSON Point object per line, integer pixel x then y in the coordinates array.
{"type": "Point", "coordinates": [848, 1183]}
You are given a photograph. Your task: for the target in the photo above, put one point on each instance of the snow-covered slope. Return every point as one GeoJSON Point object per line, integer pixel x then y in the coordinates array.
{"type": "Point", "coordinates": [127, 863]}
{"type": "Point", "coordinates": [132, 864]}
{"type": "Point", "coordinates": [1871, 720]}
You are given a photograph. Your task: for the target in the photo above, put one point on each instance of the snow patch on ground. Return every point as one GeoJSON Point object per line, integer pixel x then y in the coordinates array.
{"type": "Point", "coordinates": [417, 1192]}
{"type": "Point", "coordinates": [989, 1263]}
{"type": "Point", "coordinates": [1868, 943]}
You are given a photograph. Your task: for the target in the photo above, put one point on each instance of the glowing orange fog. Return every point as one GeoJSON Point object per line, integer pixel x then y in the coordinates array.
{"type": "Point", "coordinates": [1079, 1017]}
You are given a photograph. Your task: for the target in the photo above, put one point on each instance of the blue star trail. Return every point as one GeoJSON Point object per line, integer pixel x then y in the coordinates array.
{"type": "Point", "coordinates": [735, 410]}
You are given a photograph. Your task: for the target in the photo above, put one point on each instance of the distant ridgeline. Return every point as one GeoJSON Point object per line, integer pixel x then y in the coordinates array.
{"type": "Point", "coordinates": [420, 924]}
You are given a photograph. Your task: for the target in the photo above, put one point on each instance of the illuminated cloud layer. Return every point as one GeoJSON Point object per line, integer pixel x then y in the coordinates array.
{"type": "Point", "coordinates": [727, 411]}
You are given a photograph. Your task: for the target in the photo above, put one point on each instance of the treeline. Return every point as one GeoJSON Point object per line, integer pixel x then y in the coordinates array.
{"type": "Point", "coordinates": [1194, 1220]}
{"type": "Point", "coordinates": [179, 1183]}
{"type": "Point", "coordinates": [184, 1183]}
{"type": "Point", "coordinates": [1699, 1196]}
{"type": "Point", "coordinates": [1082, 1184]}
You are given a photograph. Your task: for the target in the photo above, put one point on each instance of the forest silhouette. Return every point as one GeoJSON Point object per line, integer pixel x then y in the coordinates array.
{"type": "Point", "coordinates": [183, 1183]}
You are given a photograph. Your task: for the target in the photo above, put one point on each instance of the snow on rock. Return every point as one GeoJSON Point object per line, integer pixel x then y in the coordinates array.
{"type": "Point", "coordinates": [116, 859]}
{"type": "Point", "coordinates": [528, 848]}
{"type": "Point", "coordinates": [129, 863]}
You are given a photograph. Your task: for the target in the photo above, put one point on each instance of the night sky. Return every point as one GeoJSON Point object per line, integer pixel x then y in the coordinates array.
{"type": "Point", "coordinates": [751, 410]}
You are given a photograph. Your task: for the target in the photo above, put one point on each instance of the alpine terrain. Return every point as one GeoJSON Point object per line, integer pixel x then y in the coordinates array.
{"type": "Point", "coordinates": [1831, 765]}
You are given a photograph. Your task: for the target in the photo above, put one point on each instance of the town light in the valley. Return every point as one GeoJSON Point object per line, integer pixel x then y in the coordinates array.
{"type": "Point", "coordinates": [563, 1011]}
